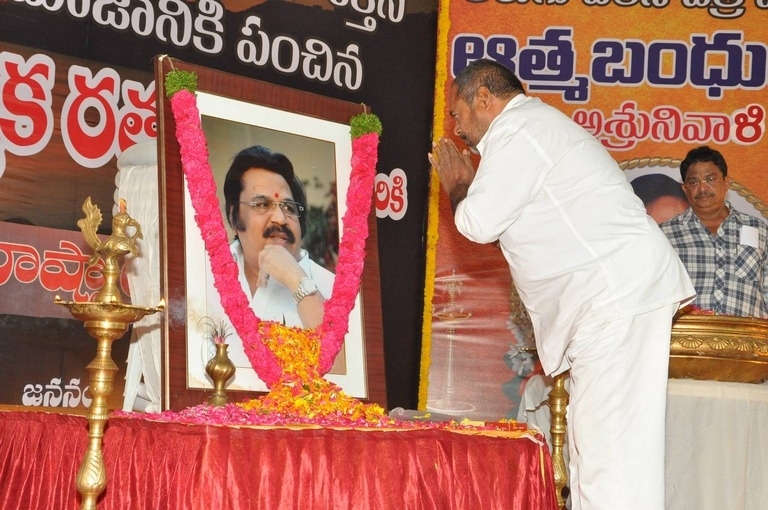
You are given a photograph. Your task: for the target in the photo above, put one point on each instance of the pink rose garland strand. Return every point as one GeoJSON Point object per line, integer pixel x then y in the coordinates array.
{"type": "Point", "coordinates": [349, 268]}
{"type": "Point", "coordinates": [202, 189]}
{"type": "Point", "coordinates": [180, 86]}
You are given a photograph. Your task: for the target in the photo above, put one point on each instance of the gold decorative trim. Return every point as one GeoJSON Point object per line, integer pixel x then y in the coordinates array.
{"type": "Point", "coordinates": [631, 164]}
{"type": "Point", "coordinates": [719, 348]}
{"type": "Point", "coordinates": [750, 198]}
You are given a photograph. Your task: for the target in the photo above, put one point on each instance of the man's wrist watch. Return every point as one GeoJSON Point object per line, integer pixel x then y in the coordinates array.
{"type": "Point", "coordinates": [306, 288]}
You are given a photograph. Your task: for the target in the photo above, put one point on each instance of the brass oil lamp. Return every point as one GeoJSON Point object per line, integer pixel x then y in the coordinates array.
{"type": "Point", "coordinates": [106, 319]}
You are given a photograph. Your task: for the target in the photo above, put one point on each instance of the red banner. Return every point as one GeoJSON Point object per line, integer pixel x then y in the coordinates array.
{"type": "Point", "coordinates": [40, 263]}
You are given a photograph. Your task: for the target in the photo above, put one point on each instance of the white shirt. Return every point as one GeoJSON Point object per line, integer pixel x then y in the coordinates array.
{"type": "Point", "coordinates": [275, 302]}
{"type": "Point", "coordinates": [581, 249]}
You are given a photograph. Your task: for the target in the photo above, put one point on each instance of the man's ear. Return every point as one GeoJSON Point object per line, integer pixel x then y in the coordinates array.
{"type": "Point", "coordinates": [483, 97]}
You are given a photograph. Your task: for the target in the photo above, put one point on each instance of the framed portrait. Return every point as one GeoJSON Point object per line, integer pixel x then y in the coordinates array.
{"type": "Point", "coordinates": [313, 133]}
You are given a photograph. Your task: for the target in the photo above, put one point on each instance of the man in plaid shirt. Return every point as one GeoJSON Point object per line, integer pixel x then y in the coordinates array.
{"type": "Point", "coordinates": [725, 251]}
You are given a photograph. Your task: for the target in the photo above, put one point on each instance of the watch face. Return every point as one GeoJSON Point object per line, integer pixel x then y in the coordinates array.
{"type": "Point", "coordinates": [306, 288]}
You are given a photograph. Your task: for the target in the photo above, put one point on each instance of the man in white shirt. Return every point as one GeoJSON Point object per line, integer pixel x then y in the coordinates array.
{"type": "Point", "coordinates": [266, 206]}
{"type": "Point", "coordinates": [600, 281]}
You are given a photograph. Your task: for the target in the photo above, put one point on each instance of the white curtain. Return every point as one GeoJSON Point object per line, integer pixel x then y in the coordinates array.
{"type": "Point", "coordinates": [137, 184]}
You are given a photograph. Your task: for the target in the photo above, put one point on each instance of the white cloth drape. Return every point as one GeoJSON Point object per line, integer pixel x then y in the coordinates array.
{"type": "Point", "coordinates": [716, 441]}
{"type": "Point", "coordinates": [137, 183]}
{"type": "Point", "coordinates": [717, 445]}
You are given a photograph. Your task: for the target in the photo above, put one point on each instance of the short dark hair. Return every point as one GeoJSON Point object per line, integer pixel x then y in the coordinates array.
{"type": "Point", "coordinates": [499, 80]}
{"type": "Point", "coordinates": [703, 154]}
{"type": "Point", "coordinates": [653, 186]}
{"type": "Point", "coordinates": [258, 156]}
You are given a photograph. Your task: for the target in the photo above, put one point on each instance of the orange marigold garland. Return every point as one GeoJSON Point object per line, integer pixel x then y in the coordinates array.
{"type": "Point", "coordinates": [302, 391]}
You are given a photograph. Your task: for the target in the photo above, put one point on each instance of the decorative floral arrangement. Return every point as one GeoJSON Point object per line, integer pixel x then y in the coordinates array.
{"type": "Point", "coordinates": [236, 414]}
{"type": "Point", "coordinates": [521, 358]}
{"type": "Point", "coordinates": [290, 360]}
{"type": "Point", "coordinates": [695, 310]}
{"type": "Point", "coordinates": [215, 331]}
{"type": "Point", "coordinates": [303, 391]}
{"type": "Point", "coordinates": [441, 78]}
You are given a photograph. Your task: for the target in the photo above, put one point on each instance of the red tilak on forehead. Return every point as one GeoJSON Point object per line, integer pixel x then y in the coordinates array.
{"type": "Point", "coordinates": [276, 195]}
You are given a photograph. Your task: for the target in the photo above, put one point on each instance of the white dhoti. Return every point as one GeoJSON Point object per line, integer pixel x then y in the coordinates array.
{"type": "Point", "coordinates": [616, 413]}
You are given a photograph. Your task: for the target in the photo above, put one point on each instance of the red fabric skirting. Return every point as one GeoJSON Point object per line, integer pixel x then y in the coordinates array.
{"type": "Point", "coordinates": [175, 466]}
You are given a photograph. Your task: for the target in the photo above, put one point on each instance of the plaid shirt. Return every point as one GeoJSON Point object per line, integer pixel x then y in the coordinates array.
{"type": "Point", "coordinates": [731, 278]}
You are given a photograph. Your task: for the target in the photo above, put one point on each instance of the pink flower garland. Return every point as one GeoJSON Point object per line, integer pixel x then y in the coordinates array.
{"type": "Point", "coordinates": [202, 189]}
{"type": "Point", "coordinates": [349, 268]}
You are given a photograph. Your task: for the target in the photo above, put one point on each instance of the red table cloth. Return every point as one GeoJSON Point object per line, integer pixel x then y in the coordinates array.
{"type": "Point", "coordinates": [153, 465]}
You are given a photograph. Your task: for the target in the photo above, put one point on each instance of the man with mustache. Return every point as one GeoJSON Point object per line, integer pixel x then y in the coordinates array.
{"type": "Point", "coordinates": [596, 275]}
{"type": "Point", "coordinates": [266, 206]}
{"type": "Point", "coordinates": [725, 251]}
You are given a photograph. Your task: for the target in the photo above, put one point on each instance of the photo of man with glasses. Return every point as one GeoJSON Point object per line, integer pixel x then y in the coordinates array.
{"type": "Point", "coordinates": [725, 251]}
{"type": "Point", "coordinates": [266, 205]}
